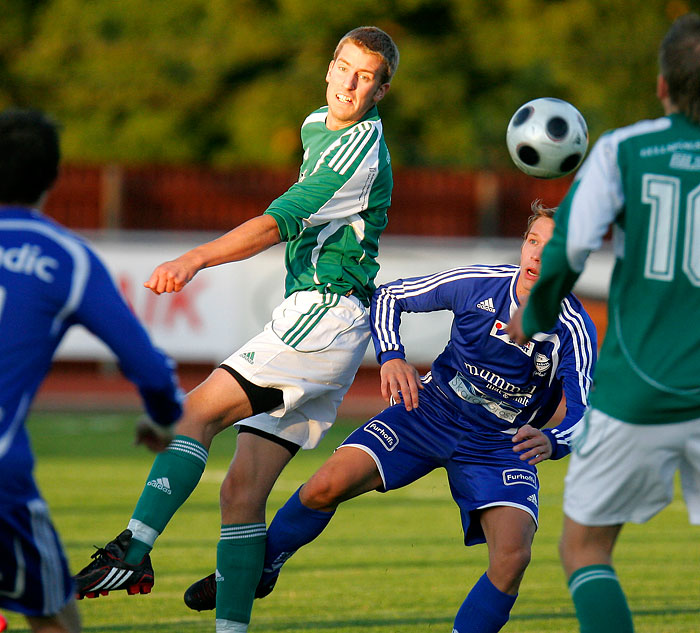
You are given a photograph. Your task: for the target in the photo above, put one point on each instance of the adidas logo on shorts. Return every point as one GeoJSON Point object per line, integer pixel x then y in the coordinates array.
{"type": "Point", "coordinates": [162, 484]}
{"type": "Point", "coordinates": [486, 304]}
{"type": "Point", "coordinates": [248, 357]}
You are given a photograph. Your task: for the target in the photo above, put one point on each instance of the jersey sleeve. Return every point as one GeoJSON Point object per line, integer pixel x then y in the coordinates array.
{"type": "Point", "coordinates": [578, 358]}
{"type": "Point", "coordinates": [337, 187]}
{"type": "Point", "coordinates": [582, 220]}
{"type": "Point", "coordinates": [103, 311]}
{"type": "Point", "coordinates": [441, 291]}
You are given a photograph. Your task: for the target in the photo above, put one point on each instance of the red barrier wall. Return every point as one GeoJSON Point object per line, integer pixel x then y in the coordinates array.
{"type": "Point", "coordinates": [425, 202]}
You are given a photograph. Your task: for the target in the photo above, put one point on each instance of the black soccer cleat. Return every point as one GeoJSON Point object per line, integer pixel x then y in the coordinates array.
{"type": "Point", "coordinates": [201, 595]}
{"type": "Point", "coordinates": [108, 571]}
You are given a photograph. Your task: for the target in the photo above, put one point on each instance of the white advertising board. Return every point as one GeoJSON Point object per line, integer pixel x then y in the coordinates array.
{"type": "Point", "coordinates": [224, 306]}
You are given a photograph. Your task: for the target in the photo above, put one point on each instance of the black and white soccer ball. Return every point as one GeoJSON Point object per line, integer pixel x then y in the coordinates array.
{"type": "Point", "coordinates": [547, 138]}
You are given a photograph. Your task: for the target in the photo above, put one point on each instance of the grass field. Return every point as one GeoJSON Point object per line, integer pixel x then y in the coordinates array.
{"type": "Point", "coordinates": [386, 564]}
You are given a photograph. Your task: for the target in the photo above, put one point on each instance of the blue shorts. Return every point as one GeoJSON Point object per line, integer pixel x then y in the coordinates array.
{"type": "Point", "coordinates": [34, 576]}
{"type": "Point", "coordinates": [482, 469]}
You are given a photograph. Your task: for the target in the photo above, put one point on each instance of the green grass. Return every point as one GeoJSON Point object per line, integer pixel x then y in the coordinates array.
{"type": "Point", "coordinates": [390, 563]}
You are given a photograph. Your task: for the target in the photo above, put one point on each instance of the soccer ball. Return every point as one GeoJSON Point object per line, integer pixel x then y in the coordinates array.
{"type": "Point", "coordinates": [547, 138]}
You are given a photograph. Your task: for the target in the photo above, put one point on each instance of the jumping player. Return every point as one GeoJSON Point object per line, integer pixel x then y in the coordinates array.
{"type": "Point", "coordinates": [50, 280]}
{"type": "Point", "coordinates": [644, 422]}
{"type": "Point", "coordinates": [284, 386]}
{"type": "Point", "coordinates": [478, 415]}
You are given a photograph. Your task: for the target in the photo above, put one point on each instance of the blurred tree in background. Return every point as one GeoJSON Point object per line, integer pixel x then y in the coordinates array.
{"type": "Point", "coordinates": [228, 82]}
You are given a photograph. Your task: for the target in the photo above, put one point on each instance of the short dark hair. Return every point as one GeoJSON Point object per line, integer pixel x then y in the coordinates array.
{"type": "Point", "coordinates": [375, 41]}
{"type": "Point", "coordinates": [29, 155]}
{"type": "Point", "coordinates": [679, 63]}
{"type": "Point", "coordinates": [538, 211]}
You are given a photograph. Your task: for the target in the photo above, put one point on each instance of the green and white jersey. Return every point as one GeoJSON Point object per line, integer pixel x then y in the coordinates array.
{"type": "Point", "coordinates": [645, 181]}
{"type": "Point", "coordinates": [332, 217]}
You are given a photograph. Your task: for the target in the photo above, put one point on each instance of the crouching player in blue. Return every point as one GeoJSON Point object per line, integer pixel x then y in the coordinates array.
{"type": "Point", "coordinates": [50, 279]}
{"type": "Point", "coordinates": [478, 416]}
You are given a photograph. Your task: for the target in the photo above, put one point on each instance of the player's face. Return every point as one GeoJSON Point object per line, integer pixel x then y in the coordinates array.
{"type": "Point", "coordinates": [353, 86]}
{"type": "Point", "coordinates": [530, 254]}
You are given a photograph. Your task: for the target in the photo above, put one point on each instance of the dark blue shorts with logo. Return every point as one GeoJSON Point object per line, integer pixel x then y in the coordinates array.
{"type": "Point", "coordinates": [482, 469]}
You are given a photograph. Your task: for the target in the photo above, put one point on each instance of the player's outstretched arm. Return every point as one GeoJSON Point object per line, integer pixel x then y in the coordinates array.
{"type": "Point", "coordinates": [248, 239]}
{"type": "Point", "coordinates": [401, 381]}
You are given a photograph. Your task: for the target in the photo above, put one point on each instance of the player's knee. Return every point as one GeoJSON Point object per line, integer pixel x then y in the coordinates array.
{"type": "Point", "coordinates": [511, 563]}
{"type": "Point", "coordinates": [322, 492]}
{"type": "Point", "coordinates": [239, 497]}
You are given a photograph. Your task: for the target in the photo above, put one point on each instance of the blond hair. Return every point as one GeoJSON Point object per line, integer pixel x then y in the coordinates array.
{"type": "Point", "coordinates": [538, 211]}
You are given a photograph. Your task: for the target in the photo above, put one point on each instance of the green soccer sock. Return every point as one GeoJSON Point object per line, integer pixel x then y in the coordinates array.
{"type": "Point", "coordinates": [174, 475]}
{"type": "Point", "coordinates": [239, 562]}
{"type": "Point", "coordinates": [601, 606]}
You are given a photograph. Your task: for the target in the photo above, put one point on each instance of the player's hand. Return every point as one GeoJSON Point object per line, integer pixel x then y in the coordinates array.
{"type": "Point", "coordinates": [171, 276]}
{"type": "Point", "coordinates": [533, 444]}
{"type": "Point", "coordinates": [515, 326]}
{"type": "Point", "coordinates": [154, 437]}
{"type": "Point", "coordinates": [401, 381]}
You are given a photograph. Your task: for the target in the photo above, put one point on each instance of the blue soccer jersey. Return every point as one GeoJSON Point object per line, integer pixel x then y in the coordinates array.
{"type": "Point", "coordinates": [493, 383]}
{"type": "Point", "coordinates": [50, 280]}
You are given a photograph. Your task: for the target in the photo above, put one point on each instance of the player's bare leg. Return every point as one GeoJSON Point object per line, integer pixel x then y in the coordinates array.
{"type": "Point", "coordinates": [509, 533]}
{"type": "Point", "coordinates": [348, 473]}
{"type": "Point", "coordinates": [213, 406]}
{"type": "Point", "coordinates": [583, 545]}
{"type": "Point", "coordinates": [256, 465]}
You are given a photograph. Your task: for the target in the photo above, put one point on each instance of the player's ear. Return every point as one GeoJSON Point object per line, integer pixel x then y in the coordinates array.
{"type": "Point", "coordinates": [381, 92]}
{"type": "Point", "coordinates": [661, 88]}
{"type": "Point", "coordinates": [330, 68]}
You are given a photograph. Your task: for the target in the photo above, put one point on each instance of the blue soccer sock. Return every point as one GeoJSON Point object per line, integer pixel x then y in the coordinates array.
{"type": "Point", "coordinates": [485, 610]}
{"type": "Point", "coordinates": [293, 526]}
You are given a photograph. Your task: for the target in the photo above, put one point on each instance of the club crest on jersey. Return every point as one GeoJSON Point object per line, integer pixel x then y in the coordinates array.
{"type": "Point", "coordinates": [499, 331]}
{"type": "Point", "coordinates": [542, 364]}
{"type": "Point", "coordinates": [384, 433]}
{"type": "Point", "coordinates": [514, 476]}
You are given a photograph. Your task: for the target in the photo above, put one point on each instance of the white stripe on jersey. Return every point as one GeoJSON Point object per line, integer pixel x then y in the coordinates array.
{"type": "Point", "coordinates": [343, 205]}
{"type": "Point", "coordinates": [599, 196]}
{"type": "Point", "coordinates": [385, 303]}
{"type": "Point", "coordinates": [583, 348]}
{"type": "Point", "coordinates": [360, 135]}
{"type": "Point", "coordinates": [81, 263]}
{"type": "Point", "coordinates": [316, 117]}
{"type": "Point", "coordinates": [8, 437]}
{"type": "Point", "coordinates": [354, 150]}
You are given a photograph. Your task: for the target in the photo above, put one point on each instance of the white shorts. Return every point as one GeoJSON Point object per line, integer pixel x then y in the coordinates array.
{"type": "Point", "coordinates": [311, 350]}
{"type": "Point", "coordinates": [622, 473]}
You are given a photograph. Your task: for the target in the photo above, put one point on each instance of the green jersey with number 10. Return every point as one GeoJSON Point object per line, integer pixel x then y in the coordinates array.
{"type": "Point", "coordinates": [643, 179]}
{"type": "Point", "coordinates": [332, 217]}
